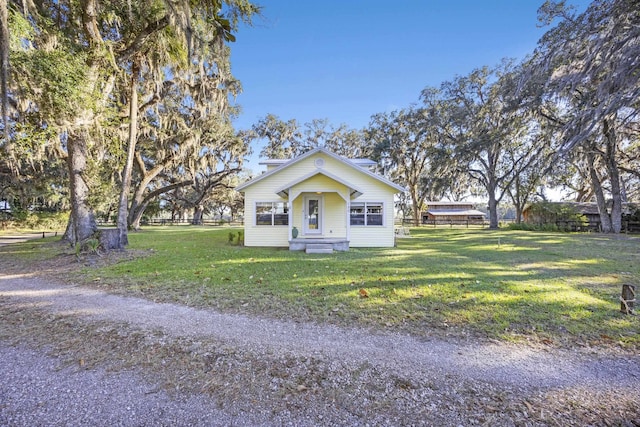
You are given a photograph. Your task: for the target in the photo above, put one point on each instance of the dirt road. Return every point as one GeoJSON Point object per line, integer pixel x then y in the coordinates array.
{"type": "Point", "coordinates": [239, 370]}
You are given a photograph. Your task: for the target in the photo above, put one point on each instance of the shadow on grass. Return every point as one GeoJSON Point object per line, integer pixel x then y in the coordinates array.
{"type": "Point", "coordinates": [493, 283]}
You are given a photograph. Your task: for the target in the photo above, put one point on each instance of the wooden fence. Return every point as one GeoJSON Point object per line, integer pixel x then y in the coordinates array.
{"type": "Point", "coordinates": [183, 221]}
{"type": "Point", "coordinates": [447, 222]}
{"type": "Point", "coordinates": [593, 226]}
{"type": "Point", "coordinates": [577, 226]}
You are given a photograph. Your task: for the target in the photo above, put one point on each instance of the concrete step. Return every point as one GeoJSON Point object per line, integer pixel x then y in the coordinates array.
{"type": "Point", "coordinates": [319, 248]}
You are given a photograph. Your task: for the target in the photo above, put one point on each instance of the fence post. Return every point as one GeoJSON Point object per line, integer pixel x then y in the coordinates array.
{"type": "Point", "coordinates": [628, 299]}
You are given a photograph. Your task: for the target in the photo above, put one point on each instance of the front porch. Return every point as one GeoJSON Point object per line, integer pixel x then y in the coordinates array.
{"type": "Point", "coordinates": [315, 245]}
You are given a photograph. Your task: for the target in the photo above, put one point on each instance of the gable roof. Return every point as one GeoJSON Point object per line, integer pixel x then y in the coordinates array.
{"type": "Point", "coordinates": [278, 162]}
{"type": "Point", "coordinates": [317, 150]}
{"type": "Point", "coordinates": [355, 192]}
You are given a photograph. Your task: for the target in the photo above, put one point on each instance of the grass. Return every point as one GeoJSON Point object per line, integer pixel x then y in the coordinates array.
{"type": "Point", "coordinates": [554, 288]}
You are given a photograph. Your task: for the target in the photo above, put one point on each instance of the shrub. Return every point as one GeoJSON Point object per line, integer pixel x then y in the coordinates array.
{"type": "Point", "coordinates": [545, 215]}
{"type": "Point", "coordinates": [527, 226]}
{"type": "Point", "coordinates": [238, 237]}
{"type": "Point", "coordinates": [40, 221]}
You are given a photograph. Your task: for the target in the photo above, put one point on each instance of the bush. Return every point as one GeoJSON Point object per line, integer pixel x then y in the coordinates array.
{"type": "Point", "coordinates": [633, 215]}
{"type": "Point", "coordinates": [41, 221]}
{"type": "Point", "coordinates": [527, 226]}
{"type": "Point", "coordinates": [545, 215]}
{"type": "Point", "coordinates": [239, 239]}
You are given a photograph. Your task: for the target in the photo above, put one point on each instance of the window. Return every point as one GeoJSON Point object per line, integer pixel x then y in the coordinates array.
{"type": "Point", "coordinates": [272, 213]}
{"type": "Point", "coordinates": [367, 213]}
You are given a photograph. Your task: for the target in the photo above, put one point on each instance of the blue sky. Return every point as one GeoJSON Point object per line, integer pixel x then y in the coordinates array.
{"type": "Point", "coordinates": [346, 60]}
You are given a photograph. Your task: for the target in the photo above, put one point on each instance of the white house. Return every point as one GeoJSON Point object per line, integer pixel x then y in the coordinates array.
{"type": "Point", "coordinates": [320, 202]}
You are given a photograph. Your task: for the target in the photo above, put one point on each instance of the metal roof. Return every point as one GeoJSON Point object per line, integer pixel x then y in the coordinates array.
{"type": "Point", "coordinates": [455, 212]}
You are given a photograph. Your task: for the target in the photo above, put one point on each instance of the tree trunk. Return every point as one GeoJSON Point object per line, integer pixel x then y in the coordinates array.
{"type": "Point", "coordinates": [614, 175]}
{"type": "Point", "coordinates": [137, 211]}
{"type": "Point", "coordinates": [69, 234]}
{"type": "Point", "coordinates": [416, 208]}
{"type": "Point", "coordinates": [4, 65]}
{"type": "Point", "coordinates": [596, 185]}
{"type": "Point", "coordinates": [198, 212]}
{"type": "Point", "coordinates": [519, 210]}
{"type": "Point", "coordinates": [109, 238]}
{"type": "Point", "coordinates": [123, 206]}
{"type": "Point", "coordinates": [82, 220]}
{"type": "Point", "coordinates": [517, 198]}
{"type": "Point", "coordinates": [493, 209]}
{"type": "Point", "coordinates": [139, 203]}
{"type": "Point", "coordinates": [136, 214]}
{"type": "Point", "coordinates": [628, 299]}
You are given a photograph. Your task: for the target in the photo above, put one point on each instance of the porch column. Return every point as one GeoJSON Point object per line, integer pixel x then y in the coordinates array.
{"type": "Point", "coordinates": [349, 220]}
{"type": "Point", "coordinates": [290, 213]}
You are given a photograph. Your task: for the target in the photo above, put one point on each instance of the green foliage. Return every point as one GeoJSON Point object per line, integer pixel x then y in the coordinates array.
{"type": "Point", "coordinates": [549, 213]}
{"type": "Point", "coordinates": [91, 246]}
{"type": "Point", "coordinates": [56, 78]}
{"type": "Point", "coordinates": [238, 237]}
{"type": "Point", "coordinates": [503, 284]}
{"type": "Point", "coordinates": [53, 221]}
{"type": "Point", "coordinates": [30, 140]}
{"type": "Point", "coordinates": [21, 30]}
{"type": "Point", "coordinates": [72, 65]}
{"type": "Point", "coordinates": [19, 214]}
{"type": "Point", "coordinates": [526, 226]}
{"type": "Point", "coordinates": [283, 139]}
{"type": "Point", "coordinates": [39, 221]}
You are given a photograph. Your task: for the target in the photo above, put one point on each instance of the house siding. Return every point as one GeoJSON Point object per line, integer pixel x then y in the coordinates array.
{"type": "Point", "coordinates": [375, 236]}
{"type": "Point", "coordinates": [335, 214]}
{"type": "Point", "coordinates": [263, 235]}
{"type": "Point", "coordinates": [335, 196]}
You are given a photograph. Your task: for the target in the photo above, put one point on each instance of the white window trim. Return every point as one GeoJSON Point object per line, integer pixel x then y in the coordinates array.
{"type": "Point", "coordinates": [384, 217]}
{"type": "Point", "coordinates": [321, 208]}
{"type": "Point", "coordinates": [255, 213]}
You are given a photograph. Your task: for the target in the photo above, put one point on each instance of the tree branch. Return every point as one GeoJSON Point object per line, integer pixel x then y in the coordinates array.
{"type": "Point", "coordinates": [137, 43]}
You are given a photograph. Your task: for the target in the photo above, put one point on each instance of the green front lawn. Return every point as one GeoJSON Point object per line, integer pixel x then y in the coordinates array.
{"type": "Point", "coordinates": [551, 287]}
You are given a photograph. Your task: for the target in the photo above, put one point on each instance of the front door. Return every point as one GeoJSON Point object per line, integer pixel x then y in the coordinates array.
{"type": "Point", "coordinates": [313, 215]}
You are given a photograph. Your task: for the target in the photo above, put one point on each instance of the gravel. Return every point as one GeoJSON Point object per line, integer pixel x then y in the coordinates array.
{"type": "Point", "coordinates": [228, 369]}
{"type": "Point", "coordinates": [36, 392]}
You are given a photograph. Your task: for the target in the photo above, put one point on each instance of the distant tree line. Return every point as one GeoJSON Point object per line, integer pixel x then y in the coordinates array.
{"type": "Point", "coordinates": [566, 116]}
{"type": "Point", "coordinates": [116, 110]}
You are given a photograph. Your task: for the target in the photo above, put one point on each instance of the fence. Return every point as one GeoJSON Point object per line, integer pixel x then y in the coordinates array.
{"type": "Point", "coordinates": [577, 226]}
{"type": "Point", "coordinates": [450, 222]}
{"type": "Point", "coordinates": [183, 221]}
{"type": "Point", "coordinates": [627, 226]}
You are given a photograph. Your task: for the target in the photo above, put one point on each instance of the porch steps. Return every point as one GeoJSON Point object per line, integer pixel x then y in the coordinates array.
{"type": "Point", "coordinates": [319, 248]}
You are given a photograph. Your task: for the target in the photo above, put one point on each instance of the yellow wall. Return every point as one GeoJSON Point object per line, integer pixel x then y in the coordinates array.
{"type": "Point", "coordinates": [375, 236]}
{"type": "Point", "coordinates": [335, 206]}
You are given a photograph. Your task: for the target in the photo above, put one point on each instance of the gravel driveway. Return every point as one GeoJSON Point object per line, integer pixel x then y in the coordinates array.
{"type": "Point", "coordinates": [258, 371]}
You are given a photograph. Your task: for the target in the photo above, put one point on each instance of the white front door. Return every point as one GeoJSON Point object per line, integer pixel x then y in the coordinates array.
{"type": "Point", "coordinates": [313, 215]}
